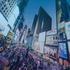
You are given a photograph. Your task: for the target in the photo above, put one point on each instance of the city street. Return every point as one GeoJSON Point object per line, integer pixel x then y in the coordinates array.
{"type": "Point", "coordinates": [34, 34]}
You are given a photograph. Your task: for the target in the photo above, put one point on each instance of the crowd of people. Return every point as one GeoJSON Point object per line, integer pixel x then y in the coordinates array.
{"type": "Point", "coordinates": [20, 59]}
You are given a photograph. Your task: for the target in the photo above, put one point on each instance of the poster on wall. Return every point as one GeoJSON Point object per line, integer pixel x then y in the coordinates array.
{"type": "Point", "coordinates": [67, 29]}
{"type": "Point", "coordinates": [63, 50]}
{"type": "Point", "coordinates": [69, 49]}
{"type": "Point", "coordinates": [62, 36]}
{"type": "Point", "coordinates": [49, 40]}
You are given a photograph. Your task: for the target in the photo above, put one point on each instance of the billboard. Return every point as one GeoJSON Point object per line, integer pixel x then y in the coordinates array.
{"type": "Point", "coordinates": [9, 36]}
{"type": "Point", "coordinates": [61, 25]}
{"type": "Point", "coordinates": [51, 40]}
{"type": "Point", "coordinates": [67, 29]}
{"type": "Point", "coordinates": [39, 45]}
{"type": "Point", "coordinates": [62, 36]}
{"type": "Point", "coordinates": [63, 50]}
{"type": "Point", "coordinates": [41, 36]}
{"type": "Point", "coordinates": [69, 49]}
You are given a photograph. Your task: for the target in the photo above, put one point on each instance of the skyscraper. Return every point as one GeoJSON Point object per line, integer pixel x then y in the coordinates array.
{"type": "Point", "coordinates": [44, 21]}
{"type": "Point", "coordinates": [6, 7]}
{"type": "Point", "coordinates": [34, 23]}
{"type": "Point", "coordinates": [63, 10]}
{"type": "Point", "coordinates": [20, 19]}
{"type": "Point", "coordinates": [9, 11]}
{"type": "Point", "coordinates": [62, 18]}
{"type": "Point", "coordinates": [8, 14]}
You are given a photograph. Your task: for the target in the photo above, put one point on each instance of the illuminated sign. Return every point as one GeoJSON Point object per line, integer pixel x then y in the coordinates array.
{"type": "Point", "coordinates": [67, 29]}
{"type": "Point", "coordinates": [51, 40]}
{"type": "Point", "coordinates": [61, 25]}
{"type": "Point", "coordinates": [69, 49]}
{"type": "Point", "coordinates": [9, 36]}
{"type": "Point", "coordinates": [63, 50]}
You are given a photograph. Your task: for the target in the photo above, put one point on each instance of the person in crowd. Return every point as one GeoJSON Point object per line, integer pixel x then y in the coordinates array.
{"type": "Point", "coordinates": [21, 59]}
{"type": "Point", "coordinates": [27, 50]}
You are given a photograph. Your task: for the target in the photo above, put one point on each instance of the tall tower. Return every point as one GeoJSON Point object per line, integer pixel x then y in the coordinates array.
{"type": "Point", "coordinates": [9, 11]}
{"type": "Point", "coordinates": [62, 18]}
{"type": "Point", "coordinates": [43, 22]}
{"type": "Point", "coordinates": [20, 19]}
{"type": "Point", "coordinates": [7, 7]}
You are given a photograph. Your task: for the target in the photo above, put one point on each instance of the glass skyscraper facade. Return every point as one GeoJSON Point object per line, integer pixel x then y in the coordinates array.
{"type": "Point", "coordinates": [6, 7]}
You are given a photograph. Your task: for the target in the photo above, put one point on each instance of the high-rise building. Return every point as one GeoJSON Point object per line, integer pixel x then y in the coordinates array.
{"type": "Point", "coordinates": [8, 14]}
{"type": "Point", "coordinates": [43, 21]}
{"type": "Point", "coordinates": [34, 23]}
{"type": "Point", "coordinates": [20, 19]}
{"type": "Point", "coordinates": [63, 20]}
{"type": "Point", "coordinates": [6, 7]}
{"type": "Point", "coordinates": [9, 11]}
{"type": "Point", "coordinates": [21, 4]}
{"type": "Point", "coordinates": [62, 10]}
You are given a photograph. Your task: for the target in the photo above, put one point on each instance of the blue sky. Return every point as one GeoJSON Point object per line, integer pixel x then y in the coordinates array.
{"type": "Point", "coordinates": [33, 7]}
{"type": "Point", "coordinates": [68, 1]}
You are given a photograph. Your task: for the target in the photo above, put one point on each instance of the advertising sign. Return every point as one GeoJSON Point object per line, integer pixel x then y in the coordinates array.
{"type": "Point", "coordinates": [39, 45]}
{"type": "Point", "coordinates": [41, 41]}
{"type": "Point", "coordinates": [62, 36]}
{"type": "Point", "coordinates": [69, 49]}
{"type": "Point", "coordinates": [9, 37]}
{"type": "Point", "coordinates": [42, 36]}
{"type": "Point", "coordinates": [63, 50]}
{"type": "Point", "coordinates": [67, 29]}
{"type": "Point", "coordinates": [51, 40]}
{"type": "Point", "coordinates": [61, 25]}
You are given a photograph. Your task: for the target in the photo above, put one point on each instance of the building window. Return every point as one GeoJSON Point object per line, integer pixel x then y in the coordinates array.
{"type": "Point", "coordinates": [2, 8]}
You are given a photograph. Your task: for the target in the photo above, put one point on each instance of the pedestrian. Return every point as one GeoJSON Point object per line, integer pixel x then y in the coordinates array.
{"type": "Point", "coordinates": [27, 51]}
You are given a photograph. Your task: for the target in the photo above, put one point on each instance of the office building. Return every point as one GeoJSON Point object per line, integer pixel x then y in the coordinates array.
{"type": "Point", "coordinates": [34, 23]}
{"type": "Point", "coordinates": [44, 21]}
{"type": "Point", "coordinates": [20, 19]}
{"type": "Point", "coordinates": [9, 11]}
{"type": "Point", "coordinates": [63, 22]}
{"type": "Point", "coordinates": [6, 7]}
{"type": "Point", "coordinates": [63, 9]}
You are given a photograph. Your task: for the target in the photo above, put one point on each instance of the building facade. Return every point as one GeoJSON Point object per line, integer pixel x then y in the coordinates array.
{"type": "Point", "coordinates": [8, 13]}
{"type": "Point", "coordinates": [63, 19]}
{"type": "Point", "coordinates": [20, 19]}
{"type": "Point", "coordinates": [42, 23]}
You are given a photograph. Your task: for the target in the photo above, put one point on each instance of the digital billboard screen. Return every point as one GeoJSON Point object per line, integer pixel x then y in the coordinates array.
{"type": "Point", "coordinates": [63, 50]}
{"type": "Point", "coordinates": [69, 49]}
{"type": "Point", "coordinates": [67, 29]}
